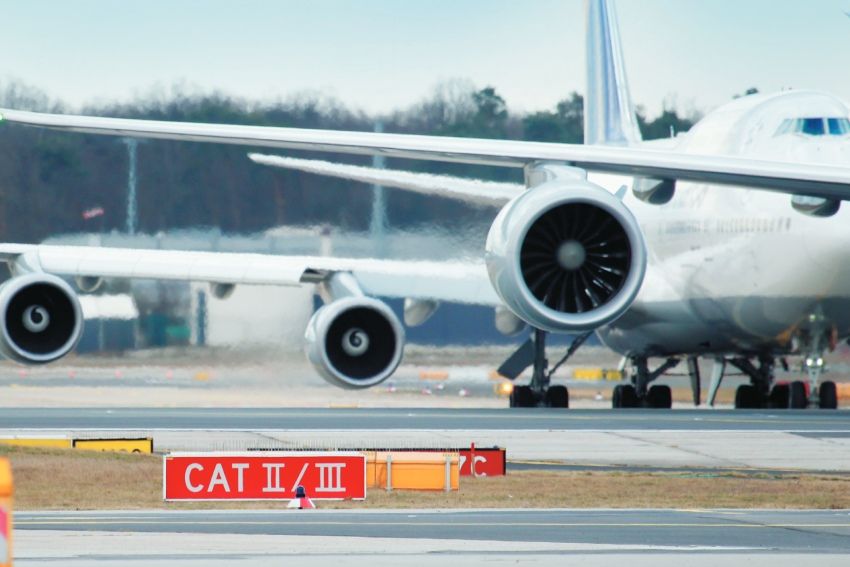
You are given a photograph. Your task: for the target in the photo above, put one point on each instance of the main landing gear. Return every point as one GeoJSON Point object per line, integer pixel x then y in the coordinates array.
{"type": "Point", "coordinates": [639, 394]}
{"type": "Point", "coordinates": [540, 392]}
{"type": "Point", "coordinates": [764, 392]}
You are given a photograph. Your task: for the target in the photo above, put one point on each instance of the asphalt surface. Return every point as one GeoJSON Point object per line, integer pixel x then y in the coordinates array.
{"type": "Point", "coordinates": [779, 530]}
{"type": "Point", "coordinates": [833, 423]}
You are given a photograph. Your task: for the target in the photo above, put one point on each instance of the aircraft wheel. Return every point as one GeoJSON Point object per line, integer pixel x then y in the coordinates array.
{"type": "Point", "coordinates": [617, 397]}
{"type": "Point", "coordinates": [828, 395]}
{"type": "Point", "coordinates": [558, 397]}
{"type": "Point", "coordinates": [746, 397]}
{"type": "Point", "coordinates": [625, 396]}
{"type": "Point", "coordinates": [522, 397]}
{"type": "Point", "coordinates": [660, 397]}
{"type": "Point", "coordinates": [779, 396]}
{"type": "Point", "coordinates": [797, 397]}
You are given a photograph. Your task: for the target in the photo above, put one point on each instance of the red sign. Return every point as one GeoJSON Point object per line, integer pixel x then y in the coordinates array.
{"type": "Point", "coordinates": [482, 462]}
{"type": "Point", "coordinates": [4, 536]}
{"type": "Point", "coordinates": [263, 476]}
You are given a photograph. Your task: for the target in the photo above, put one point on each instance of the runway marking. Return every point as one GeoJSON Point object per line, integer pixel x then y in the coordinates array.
{"type": "Point", "coordinates": [293, 522]}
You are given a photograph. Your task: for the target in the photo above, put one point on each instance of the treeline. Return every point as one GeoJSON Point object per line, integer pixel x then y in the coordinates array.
{"type": "Point", "coordinates": [49, 179]}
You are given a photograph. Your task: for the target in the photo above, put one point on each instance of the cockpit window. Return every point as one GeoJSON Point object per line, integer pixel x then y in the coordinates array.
{"type": "Point", "coordinates": [838, 126]}
{"type": "Point", "coordinates": [815, 126]}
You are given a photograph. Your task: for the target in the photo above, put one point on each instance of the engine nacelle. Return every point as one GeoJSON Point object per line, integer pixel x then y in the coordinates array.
{"type": "Point", "coordinates": [40, 318]}
{"type": "Point", "coordinates": [355, 342]}
{"type": "Point", "coordinates": [566, 256]}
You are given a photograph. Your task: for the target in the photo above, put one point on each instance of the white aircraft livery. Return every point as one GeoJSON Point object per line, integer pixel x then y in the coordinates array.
{"type": "Point", "coordinates": [726, 242]}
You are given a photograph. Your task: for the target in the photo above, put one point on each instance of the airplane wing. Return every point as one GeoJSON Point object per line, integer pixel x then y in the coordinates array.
{"type": "Point", "coordinates": [831, 182]}
{"type": "Point", "coordinates": [458, 282]}
{"type": "Point", "coordinates": [474, 191]}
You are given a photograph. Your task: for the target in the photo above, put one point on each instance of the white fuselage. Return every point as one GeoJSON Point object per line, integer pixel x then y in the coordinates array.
{"type": "Point", "coordinates": [740, 270]}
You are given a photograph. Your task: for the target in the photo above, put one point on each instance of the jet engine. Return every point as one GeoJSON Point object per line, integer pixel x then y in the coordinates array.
{"type": "Point", "coordinates": [566, 256]}
{"type": "Point", "coordinates": [354, 342]}
{"type": "Point", "coordinates": [40, 318]}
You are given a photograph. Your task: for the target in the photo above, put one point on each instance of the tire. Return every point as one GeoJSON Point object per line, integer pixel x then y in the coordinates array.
{"type": "Point", "coordinates": [522, 397]}
{"type": "Point", "coordinates": [779, 396]}
{"type": "Point", "coordinates": [828, 395]}
{"type": "Point", "coordinates": [797, 397]}
{"type": "Point", "coordinates": [558, 397]}
{"type": "Point", "coordinates": [660, 397]}
{"type": "Point", "coordinates": [617, 397]}
{"type": "Point", "coordinates": [629, 396]}
{"type": "Point", "coordinates": [746, 397]}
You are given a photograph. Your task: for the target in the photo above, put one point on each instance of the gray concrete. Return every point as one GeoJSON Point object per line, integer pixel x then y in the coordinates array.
{"type": "Point", "coordinates": [596, 537]}
{"type": "Point", "coordinates": [808, 441]}
{"type": "Point", "coordinates": [835, 422]}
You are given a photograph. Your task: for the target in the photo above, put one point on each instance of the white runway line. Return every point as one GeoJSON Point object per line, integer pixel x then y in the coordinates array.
{"type": "Point", "coordinates": [50, 544]}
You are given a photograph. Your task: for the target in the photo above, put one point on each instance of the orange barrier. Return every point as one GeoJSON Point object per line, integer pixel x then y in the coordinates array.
{"type": "Point", "coordinates": [843, 390]}
{"type": "Point", "coordinates": [433, 375]}
{"type": "Point", "coordinates": [412, 470]}
{"type": "Point", "coordinates": [6, 494]}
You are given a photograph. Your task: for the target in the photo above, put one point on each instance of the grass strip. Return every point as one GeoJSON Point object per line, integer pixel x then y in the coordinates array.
{"type": "Point", "coordinates": [61, 479]}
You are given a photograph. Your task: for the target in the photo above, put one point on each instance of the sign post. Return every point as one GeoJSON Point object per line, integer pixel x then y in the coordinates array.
{"type": "Point", "coordinates": [264, 476]}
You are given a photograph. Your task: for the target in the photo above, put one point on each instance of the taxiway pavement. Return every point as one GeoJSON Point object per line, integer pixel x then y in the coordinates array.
{"type": "Point", "coordinates": [803, 440]}
{"type": "Point", "coordinates": [544, 537]}
{"type": "Point", "coordinates": [819, 422]}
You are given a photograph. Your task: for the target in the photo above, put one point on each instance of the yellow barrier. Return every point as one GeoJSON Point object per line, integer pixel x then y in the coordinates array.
{"type": "Point", "coordinates": [843, 390]}
{"type": "Point", "coordinates": [412, 470]}
{"type": "Point", "coordinates": [596, 374]}
{"type": "Point", "coordinates": [7, 489]}
{"type": "Point", "coordinates": [126, 445]}
{"type": "Point", "coordinates": [41, 442]}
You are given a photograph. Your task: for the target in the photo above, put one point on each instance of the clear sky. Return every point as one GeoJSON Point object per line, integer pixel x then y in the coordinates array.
{"type": "Point", "coordinates": [380, 55]}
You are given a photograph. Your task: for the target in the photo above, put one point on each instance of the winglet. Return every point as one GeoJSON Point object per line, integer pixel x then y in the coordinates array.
{"type": "Point", "coordinates": [609, 117]}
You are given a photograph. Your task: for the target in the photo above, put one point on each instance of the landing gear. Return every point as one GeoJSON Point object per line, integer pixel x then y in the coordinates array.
{"type": "Point", "coordinates": [539, 392]}
{"type": "Point", "coordinates": [639, 394]}
{"type": "Point", "coordinates": [797, 398]}
{"type": "Point", "coordinates": [764, 393]}
{"type": "Point", "coordinates": [747, 397]}
{"type": "Point", "coordinates": [624, 396]}
{"type": "Point", "coordinates": [828, 395]}
{"type": "Point", "coordinates": [757, 394]}
{"type": "Point", "coordinates": [818, 337]}
{"type": "Point", "coordinates": [780, 396]}
{"type": "Point", "coordinates": [522, 397]}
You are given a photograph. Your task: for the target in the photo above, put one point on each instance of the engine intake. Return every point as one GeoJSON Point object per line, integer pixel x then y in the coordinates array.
{"type": "Point", "coordinates": [40, 318]}
{"type": "Point", "coordinates": [355, 342]}
{"type": "Point", "coordinates": [566, 256]}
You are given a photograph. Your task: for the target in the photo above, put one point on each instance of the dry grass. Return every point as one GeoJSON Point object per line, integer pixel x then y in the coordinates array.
{"type": "Point", "coordinates": [78, 480]}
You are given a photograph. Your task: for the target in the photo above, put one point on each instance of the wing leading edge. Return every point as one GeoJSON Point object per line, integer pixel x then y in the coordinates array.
{"type": "Point", "coordinates": [831, 182]}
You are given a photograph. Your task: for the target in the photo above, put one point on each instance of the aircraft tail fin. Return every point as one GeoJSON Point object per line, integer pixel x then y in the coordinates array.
{"type": "Point", "coordinates": [609, 117]}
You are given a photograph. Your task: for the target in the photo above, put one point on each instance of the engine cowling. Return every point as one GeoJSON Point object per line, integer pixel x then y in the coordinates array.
{"type": "Point", "coordinates": [566, 256]}
{"type": "Point", "coordinates": [40, 318]}
{"type": "Point", "coordinates": [354, 342]}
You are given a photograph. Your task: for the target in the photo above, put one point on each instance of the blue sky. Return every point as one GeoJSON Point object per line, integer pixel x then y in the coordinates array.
{"type": "Point", "coordinates": [380, 55]}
